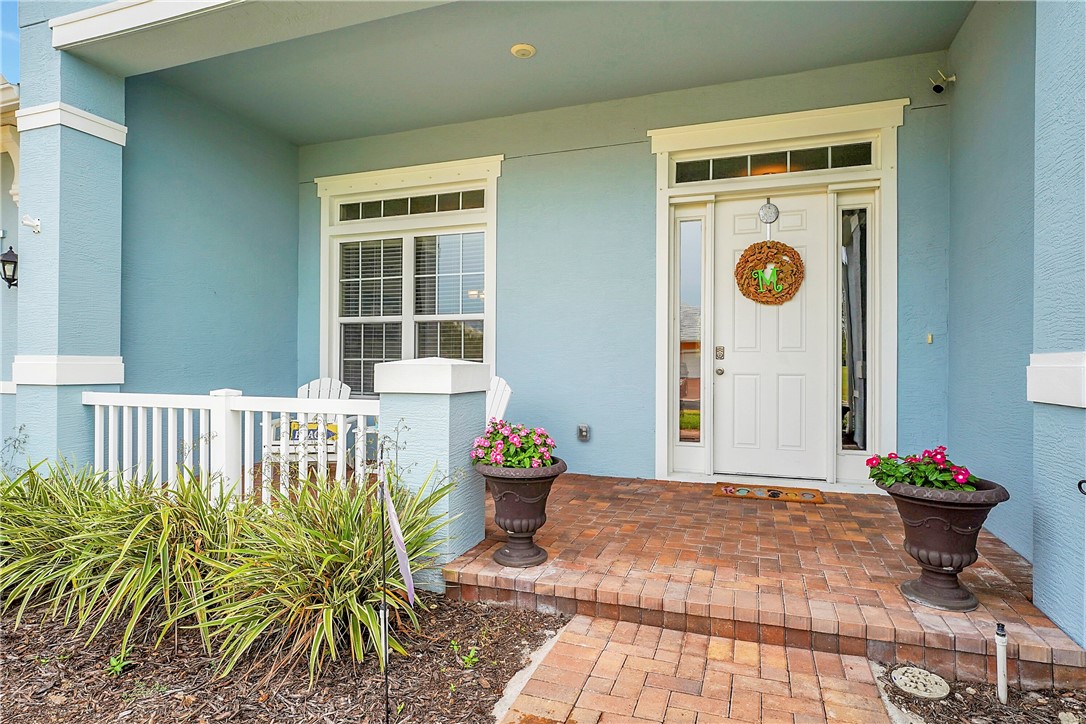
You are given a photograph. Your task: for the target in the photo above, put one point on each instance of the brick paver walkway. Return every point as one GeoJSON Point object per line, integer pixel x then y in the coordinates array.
{"type": "Point", "coordinates": [604, 671]}
{"type": "Point", "coordinates": [822, 577]}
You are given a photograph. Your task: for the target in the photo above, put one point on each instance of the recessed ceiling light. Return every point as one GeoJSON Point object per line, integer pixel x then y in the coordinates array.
{"type": "Point", "coordinates": [523, 50]}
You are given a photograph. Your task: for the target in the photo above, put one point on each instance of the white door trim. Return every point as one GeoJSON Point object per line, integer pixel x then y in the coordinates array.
{"type": "Point", "coordinates": [875, 121]}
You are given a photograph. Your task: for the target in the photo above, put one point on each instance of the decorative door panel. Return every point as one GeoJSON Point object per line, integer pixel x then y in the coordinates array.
{"type": "Point", "coordinates": [771, 392]}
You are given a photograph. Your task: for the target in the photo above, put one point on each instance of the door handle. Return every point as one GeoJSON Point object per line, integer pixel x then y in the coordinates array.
{"type": "Point", "coordinates": [1082, 486]}
{"type": "Point", "coordinates": [720, 371]}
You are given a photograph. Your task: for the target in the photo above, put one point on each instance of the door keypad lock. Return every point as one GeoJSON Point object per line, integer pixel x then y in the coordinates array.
{"type": "Point", "coordinates": [719, 352]}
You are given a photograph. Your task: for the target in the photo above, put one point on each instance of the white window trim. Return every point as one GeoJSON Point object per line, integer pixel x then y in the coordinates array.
{"type": "Point", "coordinates": [408, 181]}
{"type": "Point", "coordinates": [877, 121]}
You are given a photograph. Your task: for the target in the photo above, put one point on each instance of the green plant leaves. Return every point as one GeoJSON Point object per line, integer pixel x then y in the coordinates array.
{"type": "Point", "coordinates": [298, 578]}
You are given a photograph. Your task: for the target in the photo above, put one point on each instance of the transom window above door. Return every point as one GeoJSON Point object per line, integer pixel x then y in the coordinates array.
{"type": "Point", "coordinates": [405, 284]}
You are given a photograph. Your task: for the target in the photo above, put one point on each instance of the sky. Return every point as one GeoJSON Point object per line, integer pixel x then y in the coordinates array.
{"type": "Point", "coordinates": [9, 40]}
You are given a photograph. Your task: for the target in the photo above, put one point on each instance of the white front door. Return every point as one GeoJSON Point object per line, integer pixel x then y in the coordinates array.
{"type": "Point", "coordinates": [772, 388]}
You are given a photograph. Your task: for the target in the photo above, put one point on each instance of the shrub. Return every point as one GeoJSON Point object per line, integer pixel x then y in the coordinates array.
{"type": "Point", "coordinates": [102, 551]}
{"type": "Point", "coordinates": [306, 579]}
{"type": "Point", "coordinates": [302, 576]}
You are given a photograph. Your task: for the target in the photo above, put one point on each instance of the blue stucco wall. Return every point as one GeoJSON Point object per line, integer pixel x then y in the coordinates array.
{"type": "Point", "coordinates": [1059, 311]}
{"type": "Point", "coordinates": [576, 199]}
{"type": "Point", "coordinates": [209, 277]}
{"type": "Point", "coordinates": [990, 424]}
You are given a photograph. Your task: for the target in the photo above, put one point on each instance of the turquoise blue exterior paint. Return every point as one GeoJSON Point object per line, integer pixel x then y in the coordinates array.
{"type": "Point", "coordinates": [69, 278]}
{"type": "Point", "coordinates": [49, 75]}
{"type": "Point", "coordinates": [433, 435]}
{"type": "Point", "coordinates": [923, 285]}
{"type": "Point", "coordinates": [576, 198]}
{"type": "Point", "coordinates": [990, 424]}
{"type": "Point", "coordinates": [576, 301]}
{"type": "Point", "coordinates": [1059, 311]}
{"type": "Point", "coordinates": [209, 275]}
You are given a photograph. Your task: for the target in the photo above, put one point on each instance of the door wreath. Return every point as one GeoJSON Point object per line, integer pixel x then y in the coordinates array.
{"type": "Point", "coordinates": [769, 272]}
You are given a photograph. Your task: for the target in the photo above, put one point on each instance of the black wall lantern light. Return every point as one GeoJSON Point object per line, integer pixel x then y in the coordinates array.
{"type": "Point", "coordinates": [9, 267]}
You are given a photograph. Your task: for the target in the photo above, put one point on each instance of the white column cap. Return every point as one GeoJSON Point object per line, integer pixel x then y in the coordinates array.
{"type": "Point", "coordinates": [431, 376]}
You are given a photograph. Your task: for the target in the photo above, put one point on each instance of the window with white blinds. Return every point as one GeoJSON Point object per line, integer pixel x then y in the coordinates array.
{"type": "Point", "coordinates": [405, 266]}
{"type": "Point", "coordinates": [442, 303]}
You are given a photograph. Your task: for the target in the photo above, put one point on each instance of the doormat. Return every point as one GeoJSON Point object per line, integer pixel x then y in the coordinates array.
{"type": "Point", "coordinates": [788, 495]}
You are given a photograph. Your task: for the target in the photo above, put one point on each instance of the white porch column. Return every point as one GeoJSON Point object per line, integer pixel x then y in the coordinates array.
{"type": "Point", "coordinates": [435, 408]}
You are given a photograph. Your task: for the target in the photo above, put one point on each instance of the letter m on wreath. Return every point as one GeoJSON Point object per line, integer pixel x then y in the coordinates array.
{"type": "Point", "coordinates": [767, 280]}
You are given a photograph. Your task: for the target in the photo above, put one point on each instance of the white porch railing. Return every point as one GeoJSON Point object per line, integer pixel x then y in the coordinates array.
{"type": "Point", "coordinates": [249, 445]}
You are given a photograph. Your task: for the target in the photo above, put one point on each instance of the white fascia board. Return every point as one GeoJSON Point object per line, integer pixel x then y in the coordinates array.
{"type": "Point", "coordinates": [62, 114]}
{"type": "Point", "coordinates": [1057, 378]}
{"type": "Point", "coordinates": [820, 122]}
{"type": "Point", "coordinates": [431, 174]}
{"type": "Point", "coordinates": [124, 16]}
{"type": "Point", "coordinates": [7, 387]}
{"type": "Point", "coordinates": [67, 370]}
{"type": "Point", "coordinates": [431, 376]}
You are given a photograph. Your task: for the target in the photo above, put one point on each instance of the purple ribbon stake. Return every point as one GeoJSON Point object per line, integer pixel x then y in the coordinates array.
{"type": "Point", "coordinates": [397, 537]}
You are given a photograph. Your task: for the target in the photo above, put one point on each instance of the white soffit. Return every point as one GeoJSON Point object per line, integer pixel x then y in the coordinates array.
{"type": "Point", "coordinates": [1057, 378]}
{"type": "Point", "coordinates": [131, 37]}
{"type": "Point", "coordinates": [824, 121]}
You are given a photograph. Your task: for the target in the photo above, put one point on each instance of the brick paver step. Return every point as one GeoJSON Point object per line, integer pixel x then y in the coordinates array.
{"type": "Point", "coordinates": [818, 577]}
{"type": "Point", "coordinates": [713, 679]}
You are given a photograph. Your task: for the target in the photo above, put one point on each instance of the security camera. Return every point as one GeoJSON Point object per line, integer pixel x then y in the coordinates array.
{"type": "Point", "coordinates": [938, 86]}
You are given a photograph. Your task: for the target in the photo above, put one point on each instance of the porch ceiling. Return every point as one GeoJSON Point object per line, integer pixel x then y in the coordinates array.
{"type": "Point", "coordinates": [451, 63]}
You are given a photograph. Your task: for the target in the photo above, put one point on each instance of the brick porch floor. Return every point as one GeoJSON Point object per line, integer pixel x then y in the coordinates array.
{"type": "Point", "coordinates": [602, 671]}
{"type": "Point", "coordinates": [816, 577]}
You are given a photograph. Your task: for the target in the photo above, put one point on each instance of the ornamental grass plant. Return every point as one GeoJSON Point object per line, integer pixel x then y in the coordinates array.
{"type": "Point", "coordinates": [299, 578]}
{"type": "Point", "coordinates": [305, 578]}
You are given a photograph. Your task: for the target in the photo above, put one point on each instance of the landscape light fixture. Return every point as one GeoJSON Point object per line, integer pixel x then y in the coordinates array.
{"type": "Point", "coordinates": [9, 267]}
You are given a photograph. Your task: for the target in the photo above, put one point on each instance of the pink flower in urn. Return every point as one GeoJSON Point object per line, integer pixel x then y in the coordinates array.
{"type": "Point", "coordinates": [891, 456]}
{"type": "Point", "coordinates": [550, 442]}
{"type": "Point", "coordinates": [497, 458]}
{"type": "Point", "coordinates": [514, 440]}
{"type": "Point", "coordinates": [938, 456]}
{"type": "Point", "coordinates": [961, 477]}
{"type": "Point", "coordinates": [537, 439]}
{"type": "Point", "coordinates": [499, 446]}
{"type": "Point", "coordinates": [873, 461]}
{"type": "Point", "coordinates": [507, 431]}
{"type": "Point", "coordinates": [546, 454]}
{"type": "Point", "coordinates": [537, 464]}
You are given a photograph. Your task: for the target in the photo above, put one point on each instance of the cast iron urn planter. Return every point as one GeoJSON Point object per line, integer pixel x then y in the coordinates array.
{"type": "Point", "coordinates": [520, 508]}
{"type": "Point", "coordinates": [941, 528]}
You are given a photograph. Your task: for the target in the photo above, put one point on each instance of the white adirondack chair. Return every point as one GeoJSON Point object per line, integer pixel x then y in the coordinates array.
{"type": "Point", "coordinates": [327, 388]}
{"type": "Point", "coordinates": [497, 398]}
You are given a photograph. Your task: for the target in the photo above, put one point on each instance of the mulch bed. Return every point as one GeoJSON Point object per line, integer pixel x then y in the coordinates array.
{"type": "Point", "coordinates": [47, 676]}
{"type": "Point", "coordinates": [979, 704]}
